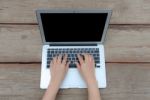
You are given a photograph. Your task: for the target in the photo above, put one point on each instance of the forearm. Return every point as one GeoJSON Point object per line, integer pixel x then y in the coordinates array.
{"type": "Point", "coordinates": [93, 91]}
{"type": "Point", "coordinates": [51, 91]}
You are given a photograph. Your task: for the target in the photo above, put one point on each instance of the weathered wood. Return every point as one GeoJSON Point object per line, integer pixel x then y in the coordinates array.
{"type": "Point", "coordinates": [20, 42]}
{"type": "Point", "coordinates": [127, 43]}
{"type": "Point", "coordinates": [125, 82]}
{"type": "Point", "coordinates": [124, 11]}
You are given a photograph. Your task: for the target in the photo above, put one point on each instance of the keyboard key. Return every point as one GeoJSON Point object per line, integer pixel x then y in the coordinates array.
{"type": "Point", "coordinates": [71, 62]}
{"type": "Point", "coordinates": [48, 51]}
{"type": "Point", "coordinates": [69, 59]}
{"type": "Point", "coordinates": [59, 52]}
{"type": "Point", "coordinates": [97, 51]}
{"type": "Point", "coordinates": [69, 55]}
{"type": "Point", "coordinates": [47, 66]}
{"type": "Point", "coordinates": [98, 66]}
{"type": "Point", "coordinates": [96, 58]}
{"type": "Point", "coordinates": [48, 62]}
{"type": "Point", "coordinates": [51, 59]}
{"type": "Point", "coordinates": [73, 59]}
{"type": "Point", "coordinates": [72, 55]}
{"type": "Point", "coordinates": [72, 66]}
{"type": "Point", "coordinates": [48, 58]}
{"type": "Point", "coordinates": [97, 61]}
{"type": "Point", "coordinates": [94, 55]}
{"type": "Point", "coordinates": [52, 51]}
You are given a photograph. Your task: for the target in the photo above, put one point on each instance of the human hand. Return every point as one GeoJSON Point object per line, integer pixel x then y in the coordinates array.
{"type": "Point", "coordinates": [86, 68]}
{"type": "Point", "coordinates": [58, 69]}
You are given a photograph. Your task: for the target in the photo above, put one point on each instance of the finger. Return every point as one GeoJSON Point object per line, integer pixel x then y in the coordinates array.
{"type": "Point", "coordinates": [92, 60]}
{"type": "Point", "coordinates": [90, 57]}
{"type": "Point", "coordinates": [86, 57]}
{"type": "Point", "coordinates": [64, 59]}
{"type": "Point", "coordinates": [80, 59]}
{"type": "Point", "coordinates": [67, 65]}
{"type": "Point", "coordinates": [51, 63]}
{"type": "Point", "coordinates": [78, 65]}
{"type": "Point", "coordinates": [54, 60]}
{"type": "Point", "coordinates": [59, 59]}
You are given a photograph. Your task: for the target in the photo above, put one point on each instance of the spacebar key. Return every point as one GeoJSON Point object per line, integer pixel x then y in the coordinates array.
{"type": "Point", "coordinates": [72, 66]}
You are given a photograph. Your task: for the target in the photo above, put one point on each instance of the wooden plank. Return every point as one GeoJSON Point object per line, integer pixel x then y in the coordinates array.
{"type": "Point", "coordinates": [124, 11]}
{"type": "Point", "coordinates": [22, 43]}
{"type": "Point", "coordinates": [128, 44]}
{"type": "Point", "coordinates": [125, 82]}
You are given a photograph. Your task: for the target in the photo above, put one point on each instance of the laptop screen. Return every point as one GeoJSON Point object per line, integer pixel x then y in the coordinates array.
{"type": "Point", "coordinates": [73, 27]}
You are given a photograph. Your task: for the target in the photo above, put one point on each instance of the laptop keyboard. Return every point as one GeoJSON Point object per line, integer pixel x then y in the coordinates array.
{"type": "Point", "coordinates": [72, 54]}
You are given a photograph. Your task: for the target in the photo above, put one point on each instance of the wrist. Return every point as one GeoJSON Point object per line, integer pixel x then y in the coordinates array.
{"type": "Point", "coordinates": [55, 83]}
{"type": "Point", "coordinates": [52, 90]}
{"type": "Point", "coordinates": [92, 82]}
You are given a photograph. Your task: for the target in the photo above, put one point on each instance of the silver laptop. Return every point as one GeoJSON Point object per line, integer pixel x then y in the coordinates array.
{"type": "Point", "coordinates": [73, 32]}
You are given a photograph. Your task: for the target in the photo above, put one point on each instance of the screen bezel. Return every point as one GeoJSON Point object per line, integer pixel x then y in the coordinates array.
{"type": "Point", "coordinates": [108, 11]}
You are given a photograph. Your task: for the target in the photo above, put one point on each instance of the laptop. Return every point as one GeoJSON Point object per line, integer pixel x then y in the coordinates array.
{"type": "Point", "coordinates": [72, 32]}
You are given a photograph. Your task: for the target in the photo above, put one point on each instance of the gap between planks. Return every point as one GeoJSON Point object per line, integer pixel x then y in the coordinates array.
{"type": "Point", "coordinates": [106, 62]}
{"type": "Point", "coordinates": [37, 24]}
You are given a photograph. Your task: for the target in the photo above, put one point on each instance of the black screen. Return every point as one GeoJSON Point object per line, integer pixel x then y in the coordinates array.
{"type": "Point", "coordinates": [73, 27]}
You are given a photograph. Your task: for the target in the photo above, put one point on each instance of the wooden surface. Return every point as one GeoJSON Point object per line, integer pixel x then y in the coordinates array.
{"type": "Point", "coordinates": [125, 82]}
{"type": "Point", "coordinates": [124, 43]}
{"type": "Point", "coordinates": [124, 11]}
{"type": "Point", "coordinates": [127, 49]}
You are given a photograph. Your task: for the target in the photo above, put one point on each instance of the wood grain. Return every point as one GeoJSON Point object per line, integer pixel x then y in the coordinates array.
{"type": "Point", "coordinates": [125, 82]}
{"type": "Point", "coordinates": [126, 43]}
{"type": "Point", "coordinates": [124, 11]}
{"type": "Point", "coordinates": [127, 47]}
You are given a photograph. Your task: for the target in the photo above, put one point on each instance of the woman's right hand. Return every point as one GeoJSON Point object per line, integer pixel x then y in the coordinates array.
{"type": "Point", "coordinates": [86, 67]}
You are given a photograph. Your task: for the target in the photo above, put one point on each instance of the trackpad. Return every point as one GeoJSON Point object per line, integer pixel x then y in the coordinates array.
{"type": "Point", "coordinates": [73, 79]}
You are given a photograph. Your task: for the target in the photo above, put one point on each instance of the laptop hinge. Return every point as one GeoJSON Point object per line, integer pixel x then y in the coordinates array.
{"type": "Point", "coordinates": [72, 44]}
